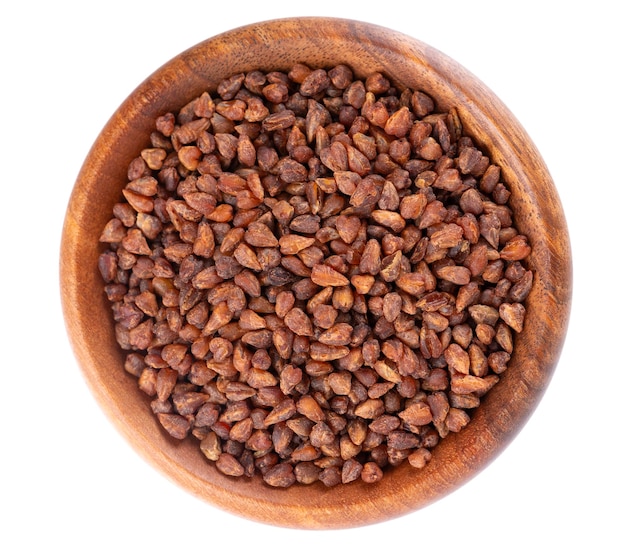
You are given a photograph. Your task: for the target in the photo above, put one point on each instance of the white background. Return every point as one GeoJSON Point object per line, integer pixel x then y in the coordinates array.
{"type": "Point", "coordinates": [68, 480]}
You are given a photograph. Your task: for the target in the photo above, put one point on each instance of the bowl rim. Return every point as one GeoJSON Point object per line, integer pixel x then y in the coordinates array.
{"type": "Point", "coordinates": [534, 192]}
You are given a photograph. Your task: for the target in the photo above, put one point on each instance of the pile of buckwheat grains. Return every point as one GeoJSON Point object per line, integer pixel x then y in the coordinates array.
{"type": "Point", "coordinates": [317, 277]}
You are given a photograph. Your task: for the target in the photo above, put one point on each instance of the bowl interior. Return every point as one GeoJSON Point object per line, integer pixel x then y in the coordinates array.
{"type": "Point", "coordinates": [277, 45]}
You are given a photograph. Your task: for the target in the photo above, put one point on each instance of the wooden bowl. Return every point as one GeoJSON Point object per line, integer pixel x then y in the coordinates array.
{"type": "Point", "coordinates": [319, 42]}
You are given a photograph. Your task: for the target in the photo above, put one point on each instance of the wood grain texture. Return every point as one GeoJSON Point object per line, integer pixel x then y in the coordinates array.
{"type": "Point", "coordinates": [277, 45]}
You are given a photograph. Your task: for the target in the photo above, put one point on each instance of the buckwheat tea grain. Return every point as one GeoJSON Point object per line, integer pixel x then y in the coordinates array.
{"type": "Point", "coordinates": [316, 276]}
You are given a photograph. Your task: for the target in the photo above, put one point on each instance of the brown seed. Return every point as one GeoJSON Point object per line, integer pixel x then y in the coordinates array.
{"type": "Point", "coordinates": [398, 441]}
{"type": "Point", "coordinates": [315, 82]}
{"type": "Point", "coordinates": [477, 260]}
{"type": "Point", "coordinates": [370, 258]}
{"type": "Point", "coordinates": [326, 353]}
{"type": "Point", "coordinates": [222, 213]}
{"type": "Point", "coordinates": [387, 372]}
{"type": "Point", "coordinates": [295, 266]}
{"type": "Point", "coordinates": [283, 411]}
{"type": "Point", "coordinates": [471, 202]}
{"type": "Point", "coordinates": [467, 295]}
{"type": "Point", "coordinates": [187, 403]}
{"type": "Point", "coordinates": [468, 384]}
{"type": "Point", "coordinates": [145, 185]}
{"type": "Point", "coordinates": [308, 406]}
{"type": "Point", "coordinates": [434, 213]}
{"type": "Point", "coordinates": [392, 306]}
{"type": "Point", "coordinates": [419, 458]}
{"type": "Point", "coordinates": [165, 382]}
{"type": "Point", "coordinates": [298, 322]}
{"type": "Point", "coordinates": [321, 435]}
{"type": "Point", "coordinates": [371, 473]}
{"type": "Point", "coordinates": [459, 275]}
{"type": "Point", "coordinates": [351, 471]}
{"type": "Point", "coordinates": [259, 378]}
{"type": "Point", "coordinates": [231, 183]}
{"type": "Point", "coordinates": [490, 226]}
{"type": "Point", "coordinates": [135, 242]}
{"type": "Point", "coordinates": [520, 290]}
{"type": "Point", "coordinates": [498, 361]}
{"type": "Point", "coordinates": [166, 124]}
{"type": "Point", "coordinates": [250, 320]}
{"type": "Point", "coordinates": [412, 206]}
{"type": "Point", "coordinates": [189, 156]}
{"type": "Point", "coordinates": [211, 446]}
{"type": "Point", "coordinates": [357, 161]}
{"type": "Point", "coordinates": [280, 476]}
{"type": "Point", "coordinates": [261, 338]}
{"type": "Point", "coordinates": [391, 267]}
{"type": "Point", "coordinates": [260, 235]}
{"type": "Point", "coordinates": [330, 475]}
{"type": "Point", "coordinates": [247, 258]}
{"type": "Point", "coordinates": [457, 419]}
{"type": "Point", "coordinates": [113, 231]}
{"type": "Point", "coordinates": [259, 440]}
{"type": "Point", "coordinates": [370, 409]}
{"type": "Point", "coordinates": [366, 194]}
{"type": "Point", "coordinates": [504, 337]}
{"type": "Point", "coordinates": [279, 120]}
{"type": "Point", "coordinates": [305, 223]}
{"type": "Point", "coordinates": [306, 472]}
{"type": "Point", "coordinates": [371, 351]}
{"type": "Point", "coordinates": [204, 203]}
{"type": "Point", "coordinates": [248, 283]}
{"type": "Point", "coordinates": [412, 283]}
{"type": "Point", "coordinates": [357, 431]}
{"type": "Point", "coordinates": [340, 382]}
{"type": "Point", "coordinates": [513, 315]}
{"type": "Point", "coordinates": [325, 276]}
{"type": "Point", "coordinates": [449, 180]}
{"type": "Point", "coordinates": [435, 321]}
{"type": "Point", "coordinates": [394, 350]}
{"type": "Point", "coordinates": [348, 227]}
{"type": "Point", "coordinates": [284, 302]}
{"type": "Point", "coordinates": [399, 123]}
{"type": "Point", "coordinates": [290, 378]}
{"type": "Point", "coordinates": [484, 333]}
{"type": "Point", "coordinates": [282, 339]}
{"type": "Point", "coordinates": [339, 334]}
{"type": "Point", "coordinates": [439, 408]}
{"type": "Point", "coordinates": [241, 430]}
{"type": "Point", "coordinates": [457, 358]}
{"type": "Point", "coordinates": [291, 171]}
{"type": "Point", "coordinates": [516, 248]}
{"type": "Point", "coordinates": [447, 237]}
{"type": "Point", "coordinates": [176, 425]}
{"type": "Point", "coordinates": [204, 245]}
{"type": "Point", "coordinates": [294, 243]}
{"type": "Point", "coordinates": [362, 283]}
{"type": "Point", "coordinates": [430, 149]}
{"type": "Point", "coordinates": [484, 314]}
{"type": "Point", "coordinates": [229, 465]}
{"type": "Point", "coordinates": [389, 199]}
{"type": "Point", "coordinates": [392, 220]}
{"type": "Point", "coordinates": [346, 181]}
{"type": "Point", "coordinates": [220, 316]}
{"type": "Point", "coordinates": [416, 414]}
{"type": "Point", "coordinates": [324, 316]}
{"type": "Point", "coordinates": [385, 424]}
